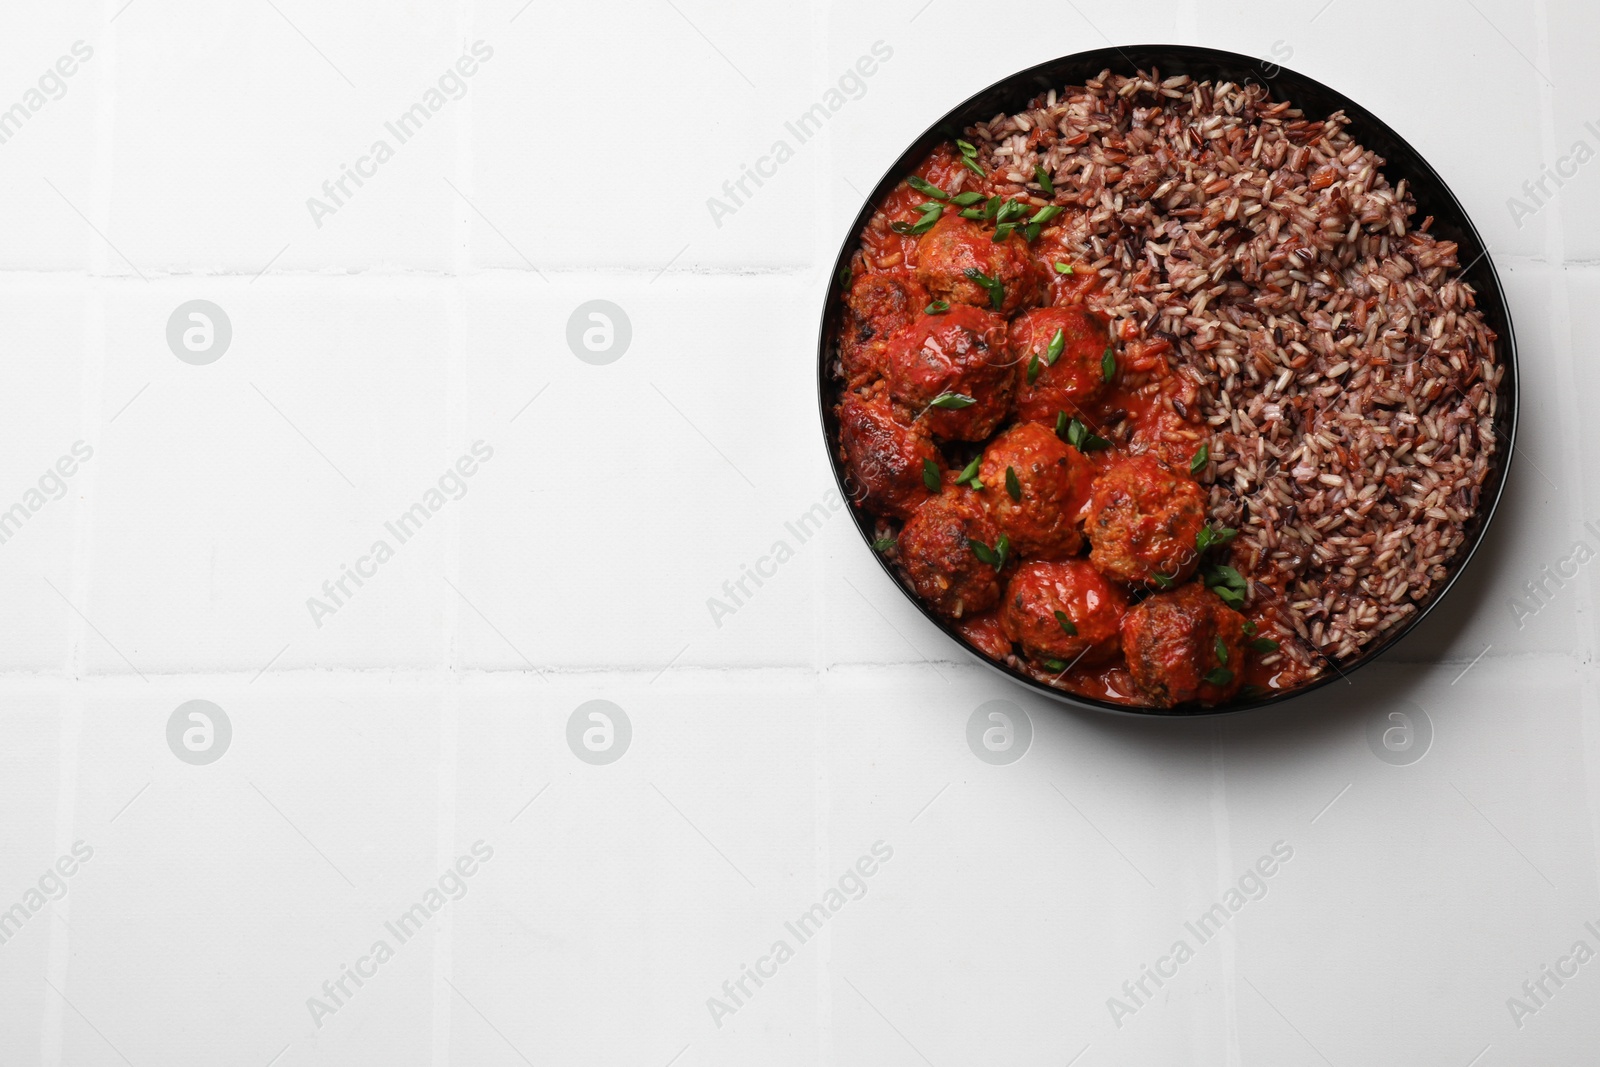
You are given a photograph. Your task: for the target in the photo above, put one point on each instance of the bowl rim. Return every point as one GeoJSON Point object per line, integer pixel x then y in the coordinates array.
{"type": "Point", "coordinates": [1490, 298]}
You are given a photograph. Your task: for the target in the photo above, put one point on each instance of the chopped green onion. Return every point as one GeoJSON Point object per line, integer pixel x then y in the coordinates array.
{"type": "Point", "coordinates": [927, 188]}
{"type": "Point", "coordinates": [938, 307]}
{"type": "Point", "coordinates": [969, 473]}
{"type": "Point", "coordinates": [1062, 428]}
{"type": "Point", "coordinates": [1067, 626]}
{"type": "Point", "coordinates": [1030, 232]}
{"type": "Point", "coordinates": [966, 199]}
{"type": "Point", "coordinates": [973, 213]}
{"type": "Point", "coordinates": [1222, 652]}
{"type": "Point", "coordinates": [972, 165]}
{"type": "Point", "coordinates": [930, 475]}
{"type": "Point", "coordinates": [1163, 581]}
{"type": "Point", "coordinates": [1058, 344]}
{"type": "Point", "coordinates": [1013, 487]}
{"type": "Point", "coordinates": [1219, 677]}
{"type": "Point", "coordinates": [991, 207]}
{"type": "Point", "coordinates": [844, 275]}
{"type": "Point", "coordinates": [1108, 364]}
{"type": "Point", "coordinates": [1063, 268]}
{"type": "Point", "coordinates": [1054, 665]}
{"type": "Point", "coordinates": [997, 289]}
{"type": "Point", "coordinates": [952, 401]}
{"type": "Point", "coordinates": [1043, 178]}
{"type": "Point", "coordinates": [967, 149]}
{"type": "Point", "coordinates": [1011, 209]}
{"type": "Point", "coordinates": [1249, 628]}
{"type": "Point", "coordinates": [1045, 214]}
{"type": "Point", "coordinates": [883, 544]}
{"type": "Point", "coordinates": [1201, 458]}
{"type": "Point", "coordinates": [1033, 369]}
{"type": "Point", "coordinates": [1227, 583]}
{"type": "Point", "coordinates": [1002, 231]}
{"type": "Point", "coordinates": [994, 557]}
{"type": "Point", "coordinates": [1209, 538]}
{"type": "Point", "coordinates": [1263, 644]}
{"type": "Point", "coordinates": [1083, 439]}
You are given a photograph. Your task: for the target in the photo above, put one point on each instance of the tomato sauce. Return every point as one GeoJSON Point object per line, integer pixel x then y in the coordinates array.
{"type": "Point", "coordinates": [1148, 405]}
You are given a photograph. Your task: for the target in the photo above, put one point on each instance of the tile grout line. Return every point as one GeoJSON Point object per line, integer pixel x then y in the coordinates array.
{"type": "Point", "coordinates": [450, 697]}
{"type": "Point", "coordinates": [52, 1030]}
{"type": "Point", "coordinates": [1555, 251]}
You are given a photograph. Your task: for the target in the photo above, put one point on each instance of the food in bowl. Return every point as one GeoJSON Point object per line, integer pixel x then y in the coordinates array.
{"type": "Point", "coordinates": [1158, 391]}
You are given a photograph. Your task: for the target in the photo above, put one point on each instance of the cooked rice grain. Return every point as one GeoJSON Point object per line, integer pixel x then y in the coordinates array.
{"type": "Point", "coordinates": [1346, 373]}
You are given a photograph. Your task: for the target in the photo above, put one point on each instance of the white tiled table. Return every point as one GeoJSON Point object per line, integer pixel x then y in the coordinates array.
{"type": "Point", "coordinates": [773, 749]}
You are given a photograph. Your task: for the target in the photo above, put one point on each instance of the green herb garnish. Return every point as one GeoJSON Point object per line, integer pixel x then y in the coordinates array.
{"type": "Point", "coordinates": [952, 401]}
{"type": "Point", "coordinates": [1002, 231]}
{"type": "Point", "coordinates": [1263, 644]}
{"type": "Point", "coordinates": [1030, 232]}
{"type": "Point", "coordinates": [930, 475]}
{"type": "Point", "coordinates": [973, 213]}
{"type": "Point", "coordinates": [996, 289]}
{"type": "Point", "coordinates": [1226, 582]}
{"type": "Point", "coordinates": [967, 149]}
{"type": "Point", "coordinates": [1054, 665]}
{"type": "Point", "coordinates": [1083, 439]}
{"type": "Point", "coordinates": [938, 307]}
{"type": "Point", "coordinates": [1222, 652]}
{"type": "Point", "coordinates": [1043, 178]}
{"type": "Point", "coordinates": [927, 188]}
{"type": "Point", "coordinates": [1219, 677]}
{"type": "Point", "coordinates": [966, 199]}
{"type": "Point", "coordinates": [1058, 344]}
{"type": "Point", "coordinates": [1062, 427]}
{"type": "Point", "coordinates": [1011, 209]}
{"type": "Point", "coordinates": [969, 473]}
{"type": "Point", "coordinates": [1201, 458]}
{"type": "Point", "coordinates": [1045, 214]}
{"type": "Point", "coordinates": [1108, 364]}
{"type": "Point", "coordinates": [1033, 369]}
{"type": "Point", "coordinates": [994, 557]}
{"type": "Point", "coordinates": [1164, 581]}
{"type": "Point", "coordinates": [883, 544]}
{"type": "Point", "coordinates": [1067, 626]}
{"type": "Point", "coordinates": [1013, 487]}
{"type": "Point", "coordinates": [972, 165]}
{"type": "Point", "coordinates": [1063, 268]}
{"type": "Point", "coordinates": [1209, 538]}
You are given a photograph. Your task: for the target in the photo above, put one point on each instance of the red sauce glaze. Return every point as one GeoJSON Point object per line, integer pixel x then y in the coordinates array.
{"type": "Point", "coordinates": [959, 356]}
{"type": "Point", "coordinates": [1064, 611]}
{"type": "Point", "coordinates": [903, 348]}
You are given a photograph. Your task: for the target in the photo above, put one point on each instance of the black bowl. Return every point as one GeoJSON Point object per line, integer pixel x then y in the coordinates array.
{"type": "Point", "coordinates": [1316, 100]}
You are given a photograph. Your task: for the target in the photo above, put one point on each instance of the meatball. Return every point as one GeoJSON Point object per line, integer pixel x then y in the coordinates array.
{"type": "Point", "coordinates": [1142, 522]}
{"type": "Point", "coordinates": [937, 554]}
{"type": "Point", "coordinates": [1076, 378]}
{"type": "Point", "coordinates": [956, 245]}
{"type": "Point", "coordinates": [876, 306]}
{"type": "Point", "coordinates": [884, 456]}
{"type": "Point", "coordinates": [1052, 479]}
{"type": "Point", "coordinates": [1040, 593]}
{"type": "Point", "coordinates": [1185, 645]}
{"type": "Point", "coordinates": [960, 352]}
